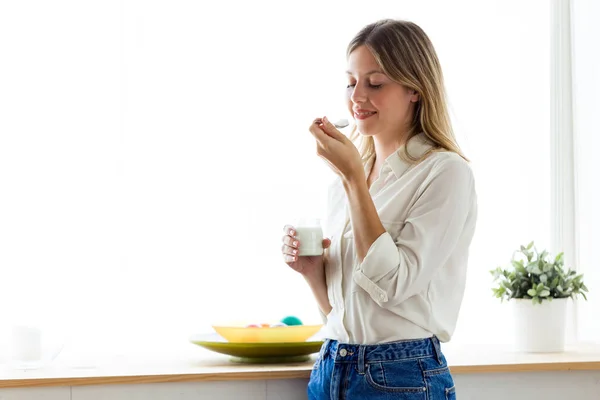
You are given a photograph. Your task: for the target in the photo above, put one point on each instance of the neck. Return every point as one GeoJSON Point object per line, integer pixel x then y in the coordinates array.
{"type": "Point", "coordinates": [385, 146]}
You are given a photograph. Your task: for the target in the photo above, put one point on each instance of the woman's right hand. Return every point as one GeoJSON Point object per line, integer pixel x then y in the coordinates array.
{"type": "Point", "coordinates": [308, 266]}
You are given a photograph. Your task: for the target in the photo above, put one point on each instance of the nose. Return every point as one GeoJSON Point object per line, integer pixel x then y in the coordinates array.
{"type": "Point", "coordinates": [358, 95]}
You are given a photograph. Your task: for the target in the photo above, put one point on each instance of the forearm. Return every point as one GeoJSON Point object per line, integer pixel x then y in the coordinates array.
{"type": "Point", "coordinates": [318, 286]}
{"type": "Point", "coordinates": [366, 225]}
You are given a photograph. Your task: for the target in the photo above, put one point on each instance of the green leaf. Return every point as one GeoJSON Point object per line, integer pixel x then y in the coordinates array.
{"type": "Point", "coordinates": [532, 292]}
{"type": "Point", "coordinates": [544, 293]}
{"type": "Point", "coordinates": [517, 264]}
{"type": "Point", "coordinates": [559, 257]}
{"type": "Point", "coordinates": [547, 268]}
{"type": "Point", "coordinates": [539, 287]}
{"type": "Point", "coordinates": [530, 245]}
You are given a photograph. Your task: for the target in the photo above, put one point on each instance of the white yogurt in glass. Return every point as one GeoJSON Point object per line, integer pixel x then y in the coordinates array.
{"type": "Point", "coordinates": [310, 235]}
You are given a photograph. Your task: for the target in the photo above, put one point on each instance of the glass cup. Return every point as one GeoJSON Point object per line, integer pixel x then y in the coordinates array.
{"type": "Point", "coordinates": [310, 235]}
{"type": "Point", "coordinates": [29, 348]}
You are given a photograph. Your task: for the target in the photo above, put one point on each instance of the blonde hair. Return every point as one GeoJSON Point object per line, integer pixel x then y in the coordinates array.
{"type": "Point", "coordinates": [406, 55]}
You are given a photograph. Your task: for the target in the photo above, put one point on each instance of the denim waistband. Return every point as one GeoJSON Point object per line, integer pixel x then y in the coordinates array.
{"type": "Point", "coordinates": [390, 351]}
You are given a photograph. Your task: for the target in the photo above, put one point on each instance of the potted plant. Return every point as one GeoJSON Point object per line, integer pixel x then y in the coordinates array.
{"type": "Point", "coordinates": [540, 288]}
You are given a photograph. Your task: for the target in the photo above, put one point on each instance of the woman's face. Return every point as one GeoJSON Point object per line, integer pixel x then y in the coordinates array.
{"type": "Point", "coordinates": [379, 105]}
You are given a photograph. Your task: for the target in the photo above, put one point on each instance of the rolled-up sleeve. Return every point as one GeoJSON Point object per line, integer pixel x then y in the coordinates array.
{"type": "Point", "coordinates": [395, 269]}
{"type": "Point", "coordinates": [324, 317]}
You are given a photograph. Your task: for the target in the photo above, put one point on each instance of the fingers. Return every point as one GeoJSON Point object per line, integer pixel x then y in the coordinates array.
{"type": "Point", "coordinates": [290, 241]}
{"type": "Point", "coordinates": [289, 249]}
{"type": "Point", "coordinates": [290, 236]}
{"type": "Point", "coordinates": [316, 129]}
{"type": "Point", "coordinates": [289, 230]}
{"type": "Point", "coordinates": [290, 254]}
{"type": "Point", "coordinates": [331, 130]}
{"type": "Point", "coordinates": [289, 259]}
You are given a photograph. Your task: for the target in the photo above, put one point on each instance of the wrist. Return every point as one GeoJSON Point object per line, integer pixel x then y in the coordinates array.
{"type": "Point", "coordinates": [316, 279]}
{"type": "Point", "coordinates": [355, 182]}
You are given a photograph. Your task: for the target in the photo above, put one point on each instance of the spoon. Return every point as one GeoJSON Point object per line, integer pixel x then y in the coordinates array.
{"type": "Point", "coordinates": [342, 123]}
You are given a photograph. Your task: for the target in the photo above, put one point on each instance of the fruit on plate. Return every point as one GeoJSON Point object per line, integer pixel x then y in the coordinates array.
{"type": "Point", "coordinates": [265, 325]}
{"type": "Point", "coordinates": [291, 320]}
{"type": "Point", "coordinates": [240, 333]}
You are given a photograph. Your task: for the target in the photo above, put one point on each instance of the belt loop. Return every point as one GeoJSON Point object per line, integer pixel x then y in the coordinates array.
{"type": "Point", "coordinates": [333, 348]}
{"type": "Point", "coordinates": [325, 348]}
{"type": "Point", "coordinates": [437, 349]}
{"type": "Point", "coordinates": [361, 359]}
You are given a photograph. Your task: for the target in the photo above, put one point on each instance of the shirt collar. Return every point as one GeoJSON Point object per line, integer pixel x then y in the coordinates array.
{"type": "Point", "coordinates": [417, 147]}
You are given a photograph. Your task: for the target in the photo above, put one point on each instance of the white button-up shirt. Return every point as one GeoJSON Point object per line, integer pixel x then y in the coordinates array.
{"type": "Point", "coordinates": [411, 283]}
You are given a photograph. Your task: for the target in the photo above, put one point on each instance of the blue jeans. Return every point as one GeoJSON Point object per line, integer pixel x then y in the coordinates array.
{"type": "Point", "coordinates": [403, 370]}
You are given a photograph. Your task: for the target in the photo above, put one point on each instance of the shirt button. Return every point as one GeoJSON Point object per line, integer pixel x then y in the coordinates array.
{"type": "Point", "coordinates": [343, 352]}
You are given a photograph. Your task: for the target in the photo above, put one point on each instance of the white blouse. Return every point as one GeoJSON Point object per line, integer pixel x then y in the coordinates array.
{"type": "Point", "coordinates": [411, 283]}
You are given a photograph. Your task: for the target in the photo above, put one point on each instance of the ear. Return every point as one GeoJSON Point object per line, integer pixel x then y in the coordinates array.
{"type": "Point", "coordinates": [414, 97]}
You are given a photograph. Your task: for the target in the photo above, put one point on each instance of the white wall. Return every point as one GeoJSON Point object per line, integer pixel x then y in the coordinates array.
{"type": "Point", "coordinates": [580, 385]}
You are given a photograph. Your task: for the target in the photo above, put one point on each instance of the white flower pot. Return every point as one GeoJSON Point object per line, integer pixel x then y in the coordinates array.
{"type": "Point", "coordinates": [540, 328]}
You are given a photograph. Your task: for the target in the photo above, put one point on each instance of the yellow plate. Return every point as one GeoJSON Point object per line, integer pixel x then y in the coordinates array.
{"type": "Point", "coordinates": [279, 334]}
{"type": "Point", "coordinates": [258, 352]}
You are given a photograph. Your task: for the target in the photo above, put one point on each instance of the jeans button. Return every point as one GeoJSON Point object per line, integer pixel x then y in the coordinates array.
{"type": "Point", "coordinates": [343, 352]}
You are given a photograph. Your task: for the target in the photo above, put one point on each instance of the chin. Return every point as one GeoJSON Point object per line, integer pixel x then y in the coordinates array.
{"type": "Point", "coordinates": [368, 134]}
{"type": "Point", "coordinates": [365, 130]}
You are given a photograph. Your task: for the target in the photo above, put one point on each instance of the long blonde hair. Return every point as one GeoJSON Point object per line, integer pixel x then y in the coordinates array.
{"type": "Point", "coordinates": [405, 54]}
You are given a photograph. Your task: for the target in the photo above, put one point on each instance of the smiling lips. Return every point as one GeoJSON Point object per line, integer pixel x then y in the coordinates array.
{"type": "Point", "coordinates": [363, 114]}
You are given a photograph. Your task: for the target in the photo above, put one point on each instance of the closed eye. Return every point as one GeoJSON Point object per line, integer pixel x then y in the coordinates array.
{"type": "Point", "coordinates": [370, 85]}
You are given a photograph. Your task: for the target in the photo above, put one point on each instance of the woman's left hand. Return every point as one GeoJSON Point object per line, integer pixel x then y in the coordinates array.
{"type": "Point", "coordinates": [335, 148]}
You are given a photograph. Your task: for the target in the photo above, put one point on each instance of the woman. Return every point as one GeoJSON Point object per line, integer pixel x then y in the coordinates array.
{"type": "Point", "coordinates": [401, 217]}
